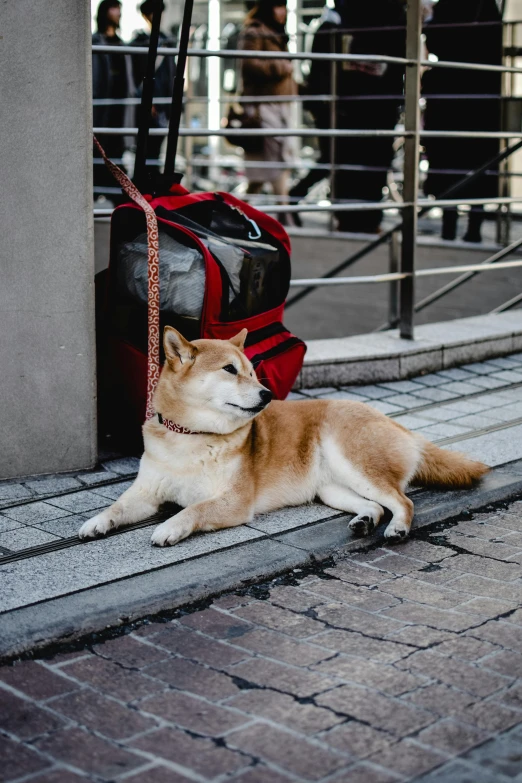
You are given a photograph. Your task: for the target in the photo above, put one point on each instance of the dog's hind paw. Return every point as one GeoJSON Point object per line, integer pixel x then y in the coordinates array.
{"type": "Point", "coordinates": [95, 527]}
{"type": "Point", "coordinates": [362, 525]}
{"type": "Point", "coordinates": [396, 531]}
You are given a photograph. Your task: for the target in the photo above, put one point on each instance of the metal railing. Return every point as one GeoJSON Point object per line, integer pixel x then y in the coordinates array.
{"type": "Point", "coordinates": [402, 288]}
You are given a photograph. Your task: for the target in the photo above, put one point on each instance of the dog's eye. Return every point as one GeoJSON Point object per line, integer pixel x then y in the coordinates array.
{"type": "Point", "coordinates": [230, 368]}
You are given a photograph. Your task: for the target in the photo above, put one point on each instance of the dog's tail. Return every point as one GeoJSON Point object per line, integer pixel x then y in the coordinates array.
{"type": "Point", "coordinates": [440, 468]}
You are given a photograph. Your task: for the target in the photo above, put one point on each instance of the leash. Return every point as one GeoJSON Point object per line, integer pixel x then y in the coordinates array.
{"type": "Point", "coordinates": [153, 296]}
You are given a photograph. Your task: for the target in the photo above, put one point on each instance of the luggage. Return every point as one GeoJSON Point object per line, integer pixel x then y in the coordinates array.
{"type": "Point", "coordinates": [222, 266]}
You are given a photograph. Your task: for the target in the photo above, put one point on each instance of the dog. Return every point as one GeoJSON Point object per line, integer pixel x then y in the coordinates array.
{"type": "Point", "coordinates": [221, 448]}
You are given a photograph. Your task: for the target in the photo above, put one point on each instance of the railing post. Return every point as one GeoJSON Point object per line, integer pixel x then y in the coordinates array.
{"type": "Point", "coordinates": [411, 166]}
{"type": "Point", "coordinates": [333, 125]}
{"type": "Point", "coordinates": [394, 249]}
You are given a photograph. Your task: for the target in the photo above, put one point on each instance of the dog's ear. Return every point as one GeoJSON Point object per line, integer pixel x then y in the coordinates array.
{"type": "Point", "coordinates": [178, 351]}
{"type": "Point", "coordinates": [239, 339]}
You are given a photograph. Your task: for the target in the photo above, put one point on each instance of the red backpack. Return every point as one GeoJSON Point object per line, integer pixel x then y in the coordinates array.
{"type": "Point", "coordinates": [224, 223]}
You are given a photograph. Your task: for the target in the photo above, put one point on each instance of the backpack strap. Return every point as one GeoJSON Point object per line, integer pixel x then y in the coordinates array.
{"type": "Point", "coordinates": [153, 299]}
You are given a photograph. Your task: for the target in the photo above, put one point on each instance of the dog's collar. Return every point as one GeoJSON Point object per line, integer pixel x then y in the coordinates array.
{"type": "Point", "coordinates": [173, 427]}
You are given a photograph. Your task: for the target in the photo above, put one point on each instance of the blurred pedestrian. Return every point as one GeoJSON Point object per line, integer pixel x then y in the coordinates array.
{"type": "Point", "coordinates": [319, 82]}
{"type": "Point", "coordinates": [163, 79]}
{"type": "Point", "coordinates": [463, 31]}
{"type": "Point", "coordinates": [369, 98]}
{"type": "Point", "coordinates": [264, 31]}
{"type": "Point", "coordinates": [111, 81]}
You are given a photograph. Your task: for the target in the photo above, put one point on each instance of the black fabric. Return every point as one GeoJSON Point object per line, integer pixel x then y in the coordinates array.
{"type": "Point", "coordinates": [373, 113]}
{"type": "Point", "coordinates": [467, 41]}
{"type": "Point", "coordinates": [110, 79]}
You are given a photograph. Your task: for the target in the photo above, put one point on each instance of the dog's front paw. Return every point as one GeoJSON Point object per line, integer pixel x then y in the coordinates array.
{"type": "Point", "coordinates": [97, 526]}
{"type": "Point", "coordinates": [362, 525]}
{"type": "Point", "coordinates": [169, 533]}
{"type": "Point", "coordinates": [396, 531]}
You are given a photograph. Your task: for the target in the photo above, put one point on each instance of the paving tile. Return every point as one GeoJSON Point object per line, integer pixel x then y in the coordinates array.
{"type": "Point", "coordinates": [475, 422]}
{"type": "Point", "coordinates": [95, 477]}
{"type": "Point", "coordinates": [34, 513]}
{"type": "Point", "coordinates": [379, 711]}
{"type": "Point", "coordinates": [508, 376]}
{"type": "Point", "coordinates": [78, 502]}
{"type": "Point", "coordinates": [261, 774]}
{"type": "Point", "coordinates": [507, 662]}
{"type": "Point", "coordinates": [196, 647]}
{"type": "Point", "coordinates": [384, 407]}
{"type": "Point", "coordinates": [358, 739]}
{"type": "Point", "coordinates": [113, 491]}
{"type": "Point", "coordinates": [197, 755]}
{"type": "Point", "coordinates": [63, 775]}
{"type": "Point", "coordinates": [301, 758]}
{"type": "Point", "coordinates": [451, 737]}
{"type": "Point", "coordinates": [459, 674]}
{"type": "Point", "coordinates": [342, 395]}
{"type": "Point", "coordinates": [479, 368]}
{"type": "Point", "coordinates": [123, 466]}
{"type": "Point", "coordinates": [157, 774]}
{"type": "Point", "coordinates": [306, 719]}
{"type": "Point", "coordinates": [192, 713]}
{"type": "Point", "coordinates": [408, 758]}
{"type": "Point", "coordinates": [460, 387]}
{"type": "Point", "coordinates": [193, 678]}
{"type": "Point", "coordinates": [436, 394]}
{"type": "Point", "coordinates": [23, 719]}
{"type": "Point", "coordinates": [506, 362]}
{"type": "Point", "coordinates": [432, 379]}
{"type": "Point", "coordinates": [291, 518]}
{"type": "Point", "coordinates": [19, 760]}
{"type": "Point", "coordinates": [129, 651]}
{"type": "Point", "coordinates": [440, 619]}
{"type": "Point", "coordinates": [10, 492]}
{"type": "Point", "coordinates": [283, 648]}
{"type": "Point", "coordinates": [466, 648]}
{"type": "Point", "coordinates": [381, 677]}
{"type": "Point", "coordinates": [365, 773]}
{"type": "Point", "coordinates": [459, 772]}
{"type": "Point", "coordinates": [407, 401]}
{"type": "Point", "coordinates": [262, 613]}
{"type": "Point", "coordinates": [96, 713]}
{"type": "Point", "coordinates": [65, 527]}
{"type": "Point", "coordinates": [490, 716]}
{"type": "Point", "coordinates": [271, 674]}
{"type": "Point", "coordinates": [8, 524]}
{"type": "Point", "coordinates": [369, 392]}
{"type": "Point", "coordinates": [456, 374]}
{"type": "Point", "coordinates": [111, 678]}
{"type": "Point", "coordinates": [442, 430]}
{"type": "Point", "coordinates": [318, 391]}
{"type": "Point", "coordinates": [413, 421]}
{"type": "Point", "coordinates": [400, 387]}
{"type": "Point", "coordinates": [487, 382]}
{"type": "Point", "coordinates": [35, 680]}
{"type": "Point", "coordinates": [81, 749]}
{"type": "Point", "coordinates": [353, 643]}
{"type": "Point", "coordinates": [53, 485]}
{"type": "Point", "coordinates": [25, 537]}
{"type": "Point", "coordinates": [443, 700]}
{"type": "Point", "coordinates": [341, 616]}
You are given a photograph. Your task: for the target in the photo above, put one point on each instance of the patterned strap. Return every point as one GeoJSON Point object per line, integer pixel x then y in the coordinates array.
{"type": "Point", "coordinates": [153, 352]}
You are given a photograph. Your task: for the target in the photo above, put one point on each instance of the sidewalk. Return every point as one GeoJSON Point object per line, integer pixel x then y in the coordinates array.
{"type": "Point", "coordinates": [394, 664]}
{"type": "Point", "coordinates": [52, 586]}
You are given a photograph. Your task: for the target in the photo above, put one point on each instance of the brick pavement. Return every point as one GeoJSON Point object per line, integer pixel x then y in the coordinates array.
{"type": "Point", "coordinates": [392, 664]}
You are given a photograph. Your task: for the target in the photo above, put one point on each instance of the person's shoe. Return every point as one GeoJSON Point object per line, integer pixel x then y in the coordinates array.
{"type": "Point", "coordinates": [472, 236]}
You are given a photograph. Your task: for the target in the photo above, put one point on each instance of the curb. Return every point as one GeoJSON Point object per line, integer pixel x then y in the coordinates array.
{"type": "Point", "coordinates": [383, 356]}
{"type": "Point", "coordinates": [96, 609]}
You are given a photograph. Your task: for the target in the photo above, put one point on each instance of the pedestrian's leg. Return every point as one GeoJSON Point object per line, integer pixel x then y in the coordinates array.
{"type": "Point", "coordinates": [476, 216]}
{"type": "Point", "coordinates": [449, 223]}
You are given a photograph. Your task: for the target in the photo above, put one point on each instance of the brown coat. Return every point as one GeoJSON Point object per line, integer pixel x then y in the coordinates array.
{"type": "Point", "coordinates": [263, 76]}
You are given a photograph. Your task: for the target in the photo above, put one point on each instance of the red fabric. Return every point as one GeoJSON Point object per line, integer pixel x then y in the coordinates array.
{"type": "Point", "coordinates": [277, 370]}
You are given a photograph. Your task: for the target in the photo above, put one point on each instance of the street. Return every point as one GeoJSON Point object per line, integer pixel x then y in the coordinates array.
{"type": "Point", "coordinates": [396, 663]}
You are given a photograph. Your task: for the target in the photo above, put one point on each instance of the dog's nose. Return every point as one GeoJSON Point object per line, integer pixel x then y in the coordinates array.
{"type": "Point", "coordinates": [266, 396]}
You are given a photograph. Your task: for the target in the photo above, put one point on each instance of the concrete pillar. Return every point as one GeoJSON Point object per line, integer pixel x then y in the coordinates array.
{"type": "Point", "coordinates": [47, 346]}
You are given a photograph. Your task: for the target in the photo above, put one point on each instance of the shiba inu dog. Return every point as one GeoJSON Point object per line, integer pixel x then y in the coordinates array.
{"type": "Point", "coordinates": [221, 448]}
